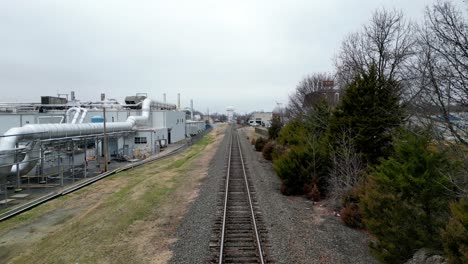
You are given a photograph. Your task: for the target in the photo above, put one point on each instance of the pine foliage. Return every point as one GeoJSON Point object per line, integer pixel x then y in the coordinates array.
{"type": "Point", "coordinates": [294, 168]}
{"type": "Point", "coordinates": [275, 128]}
{"type": "Point", "coordinates": [455, 235]}
{"type": "Point", "coordinates": [406, 200]}
{"type": "Point", "coordinates": [369, 111]}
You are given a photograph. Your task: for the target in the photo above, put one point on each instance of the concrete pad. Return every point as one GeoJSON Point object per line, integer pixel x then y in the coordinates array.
{"type": "Point", "coordinates": [20, 195]}
{"type": "Point", "coordinates": [4, 201]}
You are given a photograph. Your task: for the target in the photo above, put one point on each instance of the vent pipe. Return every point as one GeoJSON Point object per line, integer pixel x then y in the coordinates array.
{"type": "Point", "coordinates": [191, 109]}
{"type": "Point", "coordinates": [178, 101]}
{"type": "Point", "coordinates": [13, 136]}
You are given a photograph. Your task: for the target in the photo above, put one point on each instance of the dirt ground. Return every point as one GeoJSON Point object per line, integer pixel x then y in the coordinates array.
{"type": "Point", "coordinates": [127, 218]}
{"type": "Point", "coordinates": [300, 230]}
{"type": "Point", "coordinates": [171, 213]}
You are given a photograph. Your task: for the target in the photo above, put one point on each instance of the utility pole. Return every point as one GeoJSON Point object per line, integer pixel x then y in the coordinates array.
{"type": "Point", "coordinates": [281, 110]}
{"type": "Point", "coordinates": [105, 139]}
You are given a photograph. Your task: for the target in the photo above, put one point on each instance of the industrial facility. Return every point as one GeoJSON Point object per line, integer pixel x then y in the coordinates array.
{"type": "Point", "coordinates": [61, 140]}
{"type": "Point", "coordinates": [260, 119]}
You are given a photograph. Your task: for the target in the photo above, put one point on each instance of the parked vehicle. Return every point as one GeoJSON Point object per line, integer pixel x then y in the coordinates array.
{"type": "Point", "coordinates": [253, 123]}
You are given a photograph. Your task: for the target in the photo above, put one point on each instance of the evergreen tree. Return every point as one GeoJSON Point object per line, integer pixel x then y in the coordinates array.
{"type": "Point", "coordinates": [275, 128]}
{"type": "Point", "coordinates": [317, 118]}
{"type": "Point", "coordinates": [455, 235]}
{"type": "Point", "coordinates": [306, 160]}
{"type": "Point", "coordinates": [316, 122]}
{"type": "Point", "coordinates": [294, 169]}
{"type": "Point", "coordinates": [293, 133]}
{"type": "Point", "coordinates": [369, 111]}
{"type": "Point", "coordinates": [406, 200]}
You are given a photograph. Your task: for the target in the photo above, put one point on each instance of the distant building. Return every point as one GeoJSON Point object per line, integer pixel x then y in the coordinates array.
{"type": "Point", "coordinates": [332, 97]}
{"type": "Point", "coordinates": [230, 114]}
{"type": "Point", "coordinates": [261, 118]}
{"type": "Point", "coordinates": [327, 91]}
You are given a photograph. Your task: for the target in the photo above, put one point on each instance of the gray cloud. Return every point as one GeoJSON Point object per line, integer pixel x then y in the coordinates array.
{"type": "Point", "coordinates": [246, 54]}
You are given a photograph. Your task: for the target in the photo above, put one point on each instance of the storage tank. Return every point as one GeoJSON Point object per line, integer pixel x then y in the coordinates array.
{"type": "Point", "coordinates": [97, 119]}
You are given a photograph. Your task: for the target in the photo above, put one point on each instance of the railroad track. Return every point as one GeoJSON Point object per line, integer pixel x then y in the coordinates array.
{"type": "Point", "coordinates": [238, 234]}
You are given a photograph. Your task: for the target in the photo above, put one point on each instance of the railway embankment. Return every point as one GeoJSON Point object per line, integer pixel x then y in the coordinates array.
{"type": "Point", "coordinates": [130, 217]}
{"type": "Point", "coordinates": [298, 230]}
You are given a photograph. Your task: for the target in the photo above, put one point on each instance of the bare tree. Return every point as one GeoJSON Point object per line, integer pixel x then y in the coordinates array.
{"type": "Point", "coordinates": [441, 66]}
{"type": "Point", "coordinates": [387, 42]}
{"type": "Point", "coordinates": [298, 100]}
{"type": "Point", "coordinates": [346, 169]}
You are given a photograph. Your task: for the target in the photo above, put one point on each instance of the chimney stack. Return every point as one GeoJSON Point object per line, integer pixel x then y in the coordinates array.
{"type": "Point", "coordinates": [191, 109]}
{"type": "Point", "coordinates": [178, 101]}
{"type": "Point", "coordinates": [164, 96]}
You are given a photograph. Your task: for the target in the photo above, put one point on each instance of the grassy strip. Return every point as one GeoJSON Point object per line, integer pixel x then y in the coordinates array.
{"type": "Point", "coordinates": [98, 233]}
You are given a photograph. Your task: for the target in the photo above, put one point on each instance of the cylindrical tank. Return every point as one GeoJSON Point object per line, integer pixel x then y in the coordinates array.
{"type": "Point", "coordinates": [97, 119]}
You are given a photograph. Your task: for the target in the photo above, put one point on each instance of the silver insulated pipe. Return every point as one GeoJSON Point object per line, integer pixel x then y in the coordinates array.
{"type": "Point", "coordinates": [13, 136]}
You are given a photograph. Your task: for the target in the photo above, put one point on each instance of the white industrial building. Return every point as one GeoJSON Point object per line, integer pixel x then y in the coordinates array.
{"type": "Point", "coordinates": [57, 137]}
{"type": "Point", "coordinates": [261, 118]}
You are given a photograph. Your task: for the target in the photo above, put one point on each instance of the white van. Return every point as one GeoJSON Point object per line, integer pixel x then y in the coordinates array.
{"type": "Point", "coordinates": [253, 123]}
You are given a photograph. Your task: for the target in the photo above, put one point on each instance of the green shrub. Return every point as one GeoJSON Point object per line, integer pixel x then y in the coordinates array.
{"type": "Point", "coordinates": [260, 143]}
{"type": "Point", "coordinates": [301, 153]}
{"type": "Point", "coordinates": [252, 141]}
{"type": "Point", "coordinates": [278, 151]}
{"type": "Point", "coordinates": [320, 164]}
{"type": "Point", "coordinates": [293, 133]}
{"type": "Point", "coordinates": [351, 214]}
{"type": "Point", "coordinates": [294, 168]}
{"type": "Point", "coordinates": [455, 235]}
{"type": "Point", "coordinates": [268, 150]}
{"type": "Point", "coordinates": [284, 189]}
{"type": "Point", "coordinates": [312, 192]}
{"type": "Point", "coordinates": [369, 111]}
{"type": "Point", "coordinates": [275, 128]}
{"type": "Point", "coordinates": [405, 205]}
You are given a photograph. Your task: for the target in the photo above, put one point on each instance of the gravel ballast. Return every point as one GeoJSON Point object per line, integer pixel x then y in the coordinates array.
{"type": "Point", "coordinates": [299, 231]}
{"type": "Point", "coordinates": [194, 232]}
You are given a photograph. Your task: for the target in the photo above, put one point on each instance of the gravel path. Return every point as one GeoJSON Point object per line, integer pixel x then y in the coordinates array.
{"type": "Point", "coordinates": [194, 232]}
{"type": "Point", "coordinates": [299, 232]}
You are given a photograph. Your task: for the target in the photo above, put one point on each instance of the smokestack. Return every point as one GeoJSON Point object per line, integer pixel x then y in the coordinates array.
{"type": "Point", "coordinates": [103, 96]}
{"type": "Point", "coordinates": [72, 95]}
{"type": "Point", "coordinates": [178, 101]}
{"type": "Point", "coordinates": [164, 97]}
{"type": "Point", "coordinates": [191, 109]}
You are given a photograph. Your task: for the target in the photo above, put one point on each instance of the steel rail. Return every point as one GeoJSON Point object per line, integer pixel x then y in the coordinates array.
{"type": "Point", "coordinates": [221, 248]}
{"type": "Point", "coordinates": [254, 222]}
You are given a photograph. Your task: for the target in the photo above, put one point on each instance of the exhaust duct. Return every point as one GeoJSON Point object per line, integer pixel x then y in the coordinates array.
{"type": "Point", "coordinates": [13, 136]}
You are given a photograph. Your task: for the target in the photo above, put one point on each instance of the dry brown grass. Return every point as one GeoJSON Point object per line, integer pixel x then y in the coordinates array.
{"type": "Point", "coordinates": [130, 217]}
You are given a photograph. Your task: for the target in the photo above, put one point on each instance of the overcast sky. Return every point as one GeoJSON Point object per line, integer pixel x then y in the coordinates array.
{"type": "Point", "coordinates": [245, 54]}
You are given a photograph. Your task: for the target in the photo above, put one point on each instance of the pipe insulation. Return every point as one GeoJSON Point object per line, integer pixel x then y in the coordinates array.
{"type": "Point", "coordinates": [69, 111]}
{"type": "Point", "coordinates": [13, 136]}
{"type": "Point", "coordinates": [28, 163]}
{"type": "Point", "coordinates": [83, 115]}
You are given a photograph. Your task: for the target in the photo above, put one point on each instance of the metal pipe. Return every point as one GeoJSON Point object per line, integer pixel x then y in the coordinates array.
{"type": "Point", "coordinates": [105, 139]}
{"type": "Point", "coordinates": [27, 164]}
{"type": "Point", "coordinates": [178, 101]}
{"type": "Point", "coordinates": [83, 115]}
{"type": "Point", "coordinates": [76, 109]}
{"type": "Point", "coordinates": [75, 117]}
{"type": "Point", "coordinates": [191, 109]}
{"type": "Point", "coordinates": [48, 131]}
